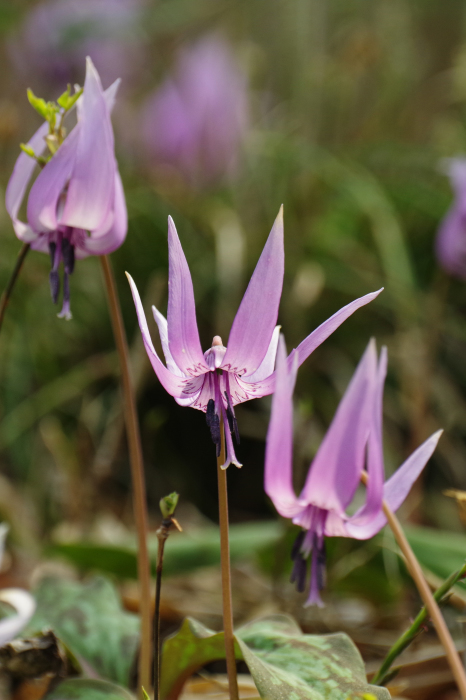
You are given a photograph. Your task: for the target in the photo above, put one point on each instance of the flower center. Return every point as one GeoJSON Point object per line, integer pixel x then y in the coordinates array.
{"type": "Point", "coordinates": [214, 355]}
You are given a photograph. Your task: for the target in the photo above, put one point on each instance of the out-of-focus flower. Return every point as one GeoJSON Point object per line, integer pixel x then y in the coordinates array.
{"type": "Point", "coordinates": [353, 442]}
{"type": "Point", "coordinates": [22, 602]}
{"type": "Point", "coordinates": [58, 35]}
{"type": "Point", "coordinates": [76, 206]}
{"type": "Point", "coordinates": [451, 238]}
{"type": "Point", "coordinates": [196, 121]}
{"type": "Point", "coordinates": [222, 377]}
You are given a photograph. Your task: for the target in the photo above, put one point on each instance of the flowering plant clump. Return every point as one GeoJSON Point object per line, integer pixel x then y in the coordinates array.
{"type": "Point", "coordinates": [76, 206]}
{"type": "Point", "coordinates": [222, 377]}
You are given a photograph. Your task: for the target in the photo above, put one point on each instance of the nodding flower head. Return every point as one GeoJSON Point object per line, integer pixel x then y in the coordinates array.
{"type": "Point", "coordinates": [76, 206]}
{"type": "Point", "coordinates": [222, 377]}
{"type": "Point", "coordinates": [353, 443]}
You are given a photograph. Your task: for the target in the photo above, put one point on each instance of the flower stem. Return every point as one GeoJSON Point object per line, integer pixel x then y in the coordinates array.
{"type": "Point", "coordinates": [383, 675]}
{"type": "Point", "coordinates": [428, 599]}
{"type": "Point", "coordinates": [137, 474]}
{"type": "Point", "coordinates": [11, 282]}
{"type": "Point", "coordinates": [226, 572]}
{"type": "Point", "coordinates": [162, 534]}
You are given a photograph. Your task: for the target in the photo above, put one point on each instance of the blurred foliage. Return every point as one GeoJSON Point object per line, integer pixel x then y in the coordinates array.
{"type": "Point", "coordinates": [353, 104]}
{"type": "Point", "coordinates": [182, 554]}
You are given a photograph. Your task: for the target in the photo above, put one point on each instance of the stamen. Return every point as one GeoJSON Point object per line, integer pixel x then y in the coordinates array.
{"type": "Point", "coordinates": [320, 562]}
{"type": "Point", "coordinates": [216, 340]}
{"type": "Point", "coordinates": [213, 421]}
{"type": "Point", "coordinates": [67, 251]}
{"type": "Point", "coordinates": [66, 311]}
{"type": "Point", "coordinates": [53, 250]}
{"type": "Point", "coordinates": [54, 285]}
{"type": "Point", "coordinates": [232, 422]}
{"type": "Point", "coordinates": [299, 572]}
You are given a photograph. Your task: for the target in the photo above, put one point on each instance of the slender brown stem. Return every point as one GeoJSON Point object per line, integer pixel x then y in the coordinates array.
{"type": "Point", "coordinates": [11, 282]}
{"type": "Point", "coordinates": [226, 572]}
{"type": "Point", "coordinates": [137, 474]}
{"type": "Point", "coordinates": [428, 599]}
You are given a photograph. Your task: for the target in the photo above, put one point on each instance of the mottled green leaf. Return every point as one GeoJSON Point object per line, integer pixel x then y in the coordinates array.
{"type": "Point", "coordinates": [89, 619]}
{"type": "Point", "coordinates": [284, 662]}
{"type": "Point", "coordinates": [86, 689]}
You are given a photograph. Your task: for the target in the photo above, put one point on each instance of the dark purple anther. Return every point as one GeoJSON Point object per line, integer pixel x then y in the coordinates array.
{"type": "Point", "coordinates": [320, 561]}
{"type": "Point", "coordinates": [53, 250]}
{"type": "Point", "coordinates": [231, 418]}
{"type": "Point", "coordinates": [67, 252]}
{"type": "Point", "coordinates": [213, 421]}
{"type": "Point", "coordinates": [299, 572]}
{"type": "Point", "coordinates": [54, 285]}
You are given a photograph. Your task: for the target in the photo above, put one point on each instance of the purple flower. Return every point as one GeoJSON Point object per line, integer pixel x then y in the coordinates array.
{"type": "Point", "coordinates": [451, 238]}
{"type": "Point", "coordinates": [196, 121]}
{"type": "Point", "coordinates": [352, 443]}
{"type": "Point", "coordinates": [58, 35]}
{"type": "Point", "coordinates": [76, 206]}
{"type": "Point", "coordinates": [222, 377]}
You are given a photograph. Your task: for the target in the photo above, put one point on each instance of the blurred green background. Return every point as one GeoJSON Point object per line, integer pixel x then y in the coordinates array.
{"type": "Point", "coordinates": [352, 105]}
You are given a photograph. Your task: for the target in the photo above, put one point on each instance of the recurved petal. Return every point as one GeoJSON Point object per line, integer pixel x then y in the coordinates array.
{"type": "Point", "coordinates": [161, 322]}
{"type": "Point", "coordinates": [267, 365]}
{"type": "Point", "coordinates": [183, 335]}
{"type": "Point", "coordinates": [278, 482]}
{"type": "Point", "coordinates": [338, 464]}
{"type": "Point", "coordinates": [253, 326]}
{"type": "Point", "coordinates": [91, 189]}
{"type": "Point", "coordinates": [19, 180]}
{"type": "Point", "coordinates": [178, 387]}
{"type": "Point", "coordinates": [314, 339]}
{"type": "Point", "coordinates": [24, 604]}
{"type": "Point", "coordinates": [397, 488]}
{"type": "Point", "coordinates": [375, 463]}
{"type": "Point", "coordinates": [103, 242]}
{"type": "Point", "coordinates": [49, 185]}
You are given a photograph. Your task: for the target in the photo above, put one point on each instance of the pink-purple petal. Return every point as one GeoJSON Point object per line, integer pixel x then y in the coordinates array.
{"type": "Point", "coordinates": [278, 482]}
{"type": "Point", "coordinates": [48, 187]}
{"type": "Point", "coordinates": [397, 488]}
{"type": "Point", "coordinates": [336, 470]}
{"type": "Point", "coordinates": [183, 335]}
{"type": "Point", "coordinates": [317, 337]}
{"type": "Point", "coordinates": [375, 462]}
{"type": "Point", "coordinates": [91, 189]}
{"type": "Point", "coordinates": [254, 323]}
{"type": "Point", "coordinates": [103, 242]}
{"type": "Point", "coordinates": [450, 245]}
{"type": "Point", "coordinates": [267, 365]}
{"type": "Point", "coordinates": [178, 387]}
{"type": "Point", "coordinates": [162, 325]}
{"type": "Point", "coordinates": [19, 180]}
